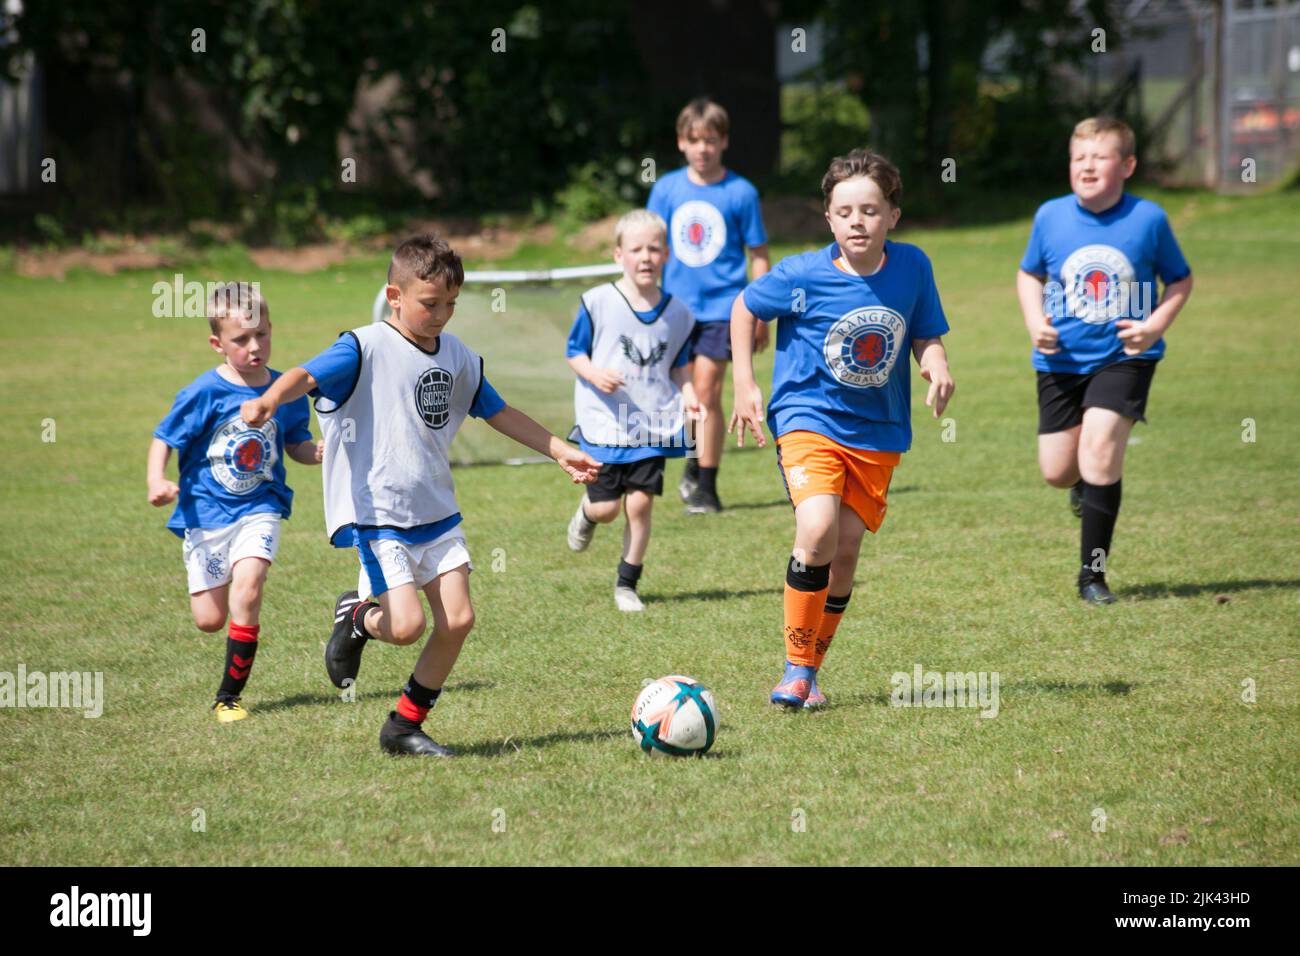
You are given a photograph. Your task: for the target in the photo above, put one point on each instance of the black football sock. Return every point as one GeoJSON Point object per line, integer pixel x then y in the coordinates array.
{"type": "Point", "coordinates": [359, 613]}
{"type": "Point", "coordinates": [1100, 509]}
{"type": "Point", "coordinates": [629, 574]}
{"type": "Point", "coordinates": [709, 480]}
{"type": "Point", "coordinates": [414, 704]}
{"type": "Point", "coordinates": [693, 469]}
{"type": "Point", "coordinates": [241, 647]}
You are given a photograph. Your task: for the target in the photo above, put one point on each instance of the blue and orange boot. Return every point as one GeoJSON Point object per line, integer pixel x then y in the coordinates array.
{"type": "Point", "coordinates": [795, 685]}
{"type": "Point", "coordinates": [816, 697]}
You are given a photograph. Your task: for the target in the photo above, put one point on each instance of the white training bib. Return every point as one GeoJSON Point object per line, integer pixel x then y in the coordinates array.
{"type": "Point", "coordinates": [387, 444]}
{"type": "Point", "coordinates": [648, 409]}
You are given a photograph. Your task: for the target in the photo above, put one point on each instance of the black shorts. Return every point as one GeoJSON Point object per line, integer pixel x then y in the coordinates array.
{"type": "Point", "coordinates": [1122, 387]}
{"type": "Point", "coordinates": [712, 340]}
{"type": "Point", "coordinates": [614, 481]}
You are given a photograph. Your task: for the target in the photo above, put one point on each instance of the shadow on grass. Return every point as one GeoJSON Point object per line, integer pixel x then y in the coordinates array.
{"type": "Point", "coordinates": [513, 745]}
{"type": "Point", "coordinates": [717, 594]}
{"type": "Point", "coordinates": [884, 698]}
{"type": "Point", "coordinates": [306, 700]}
{"type": "Point", "coordinates": [1152, 592]}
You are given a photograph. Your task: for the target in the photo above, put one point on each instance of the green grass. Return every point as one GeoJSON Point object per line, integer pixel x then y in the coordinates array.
{"type": "Point", "coordinates": [1135, 709]}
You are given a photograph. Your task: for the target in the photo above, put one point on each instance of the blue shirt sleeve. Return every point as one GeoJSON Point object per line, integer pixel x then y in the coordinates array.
{"type": "Point", "coordinates": [1171, 266]}
{"type": "Point", "coordinates": [751, 219]}
{"type": "Point", "coordinates": [580, 335]}
{"type": "Point", "coordinates": [684, 353]}
{"type": "Point", "coordinates": [659, 203]}
{"type": "Point", "coordinates": [772, 296]}
{"type": "Point", "coordinates": [1033, 261]}
{"type": "Point", "coordinates": [487, 402]}
{"type": "Point", "coordinates": [336, 369]}
{"type": "Point", "coordinates": [187, 420]}
{"type": "Point", "coordinates": [928, 320]}
{"type": "Point", "coordinates": [297, 422]}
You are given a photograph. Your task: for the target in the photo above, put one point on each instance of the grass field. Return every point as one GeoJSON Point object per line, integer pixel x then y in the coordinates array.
{"type": "Point", "coordinates": [1135, 710]}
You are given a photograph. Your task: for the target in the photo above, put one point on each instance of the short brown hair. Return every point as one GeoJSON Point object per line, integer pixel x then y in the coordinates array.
{"type": "Point", "coordinates": [863, 162]}
{"type": "Point", "coordinates": [1095, 126]}
{"type": "Point", "coordinates": [236, 300]}
{"type": "Point", "coordinates": [425, 257]}
{"type": "Point", "coordinates": [702, 111]}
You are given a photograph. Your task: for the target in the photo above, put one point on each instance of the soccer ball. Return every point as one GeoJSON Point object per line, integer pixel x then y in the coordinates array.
{"type": "Point", "coordinates": [675, 715]}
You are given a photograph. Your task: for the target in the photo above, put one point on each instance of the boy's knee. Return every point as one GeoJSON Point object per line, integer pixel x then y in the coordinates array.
{"type": "Point", "coordinates": [1060, 477]}
{"type": "Point", "coordinates": [461, 623]}
{"type": "Point", "coordinates": [407, 630]}
{"type": "Point", "coordinates": [602, 512]}
{"type": "Point", "coordinates": [209, 623]}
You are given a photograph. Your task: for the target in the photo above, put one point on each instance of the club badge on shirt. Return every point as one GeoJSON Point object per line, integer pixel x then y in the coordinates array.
{"type": "Point", "coordinates": [862, 346]}
{"type": "Point", "coordinates": [699, 233]}
{"type": "Point", "coordinates": [242, 457]}
{"type": "Point", "coordinates": [1098, 280]}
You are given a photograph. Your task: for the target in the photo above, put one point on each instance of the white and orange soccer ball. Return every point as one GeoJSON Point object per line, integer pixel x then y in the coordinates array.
{"type": "Point", "coordinates": [676, 716]}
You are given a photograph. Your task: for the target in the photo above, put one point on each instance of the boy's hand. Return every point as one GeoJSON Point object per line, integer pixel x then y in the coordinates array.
{"type": "Point", "coordinates": [1045, 338]}
{"type": "Point", "coordinates": [941, 387]}
{"type": "Point", "coordinates": [582, 468]}
{"type": "Point", "coordinates": [1137, 336]}
{"type": "Point", "coordinates": [258, 410]}
{"type": "Point", "coordinates": [320, 451]}
{"type": "Point", "coordinates": [608, 380]}
{"type": "Point", "coordinates": [163, 492]}
{"type": "Point", "coordinates": [748, 413]}
{"type": "Point", "coordinates": [695, 411]}
{"type": "Point", "coordinates": [761, 335]}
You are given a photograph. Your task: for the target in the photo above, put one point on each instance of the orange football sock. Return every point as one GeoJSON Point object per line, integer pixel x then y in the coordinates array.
{"type": "Point", "coordinates": [831, 616]}
{"type": "Point", "coordinates": [805, 600]}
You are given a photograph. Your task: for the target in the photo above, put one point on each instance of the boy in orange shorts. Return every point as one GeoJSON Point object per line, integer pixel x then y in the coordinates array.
{"type": "Point", "coordinates": [841, 399]}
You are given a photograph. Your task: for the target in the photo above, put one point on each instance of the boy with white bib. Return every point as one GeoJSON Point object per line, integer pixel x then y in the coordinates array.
{"type": "Point", "coordinates": [391, 397]}
{"type": "Point", "coordinates": [630, 346]}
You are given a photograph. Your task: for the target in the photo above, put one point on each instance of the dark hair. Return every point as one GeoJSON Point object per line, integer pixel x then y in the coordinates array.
{"type": "Point", "coordinates": [702, 111]}
{"type": "Point", "coordinates": [863, 162]}
{"type": "Point", "coordinates": [425, 257]}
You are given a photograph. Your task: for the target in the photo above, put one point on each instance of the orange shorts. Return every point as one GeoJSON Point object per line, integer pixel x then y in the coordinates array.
{"type": "Point", "coordinates": [812, 464]}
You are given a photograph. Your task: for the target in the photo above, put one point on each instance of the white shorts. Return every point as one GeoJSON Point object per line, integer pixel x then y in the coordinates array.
{"type": "Point", "coordinates": [387, 564]}
{"type": "Point", "coordinates": [211, 553]}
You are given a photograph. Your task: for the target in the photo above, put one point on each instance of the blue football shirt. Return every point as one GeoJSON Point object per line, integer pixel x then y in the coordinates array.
{"type": "Point", "coordinates": [709, 228]}
{"type": "Point", "coordinates": [842, 365]}
{"type": "Point", "coordinates": [1099, 268]}
{"type": "Point", "coordinates": [229, 469]}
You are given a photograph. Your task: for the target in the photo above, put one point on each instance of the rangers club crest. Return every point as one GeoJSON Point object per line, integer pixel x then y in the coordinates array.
{"type": "Point", "coordinates": [242, 457]}
{"type": "Point", "coordinates": [1097, 281]}
{"type": "Point", "coordinates": [433, 396]}
{"type": "Point", "coordinates": [698, 232]}
{"type": "Point", "coordinates": [862, 346]}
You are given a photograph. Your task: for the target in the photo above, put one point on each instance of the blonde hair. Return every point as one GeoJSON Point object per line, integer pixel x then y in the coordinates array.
{"type": "Point", "coordinates": [702, 111]}
{"type": "Point", "coordinates": [639, 217]}
{"type": "Point", "coordinates": [236, 300]}
{"type": "Point", "coordinates": [1095, 126]}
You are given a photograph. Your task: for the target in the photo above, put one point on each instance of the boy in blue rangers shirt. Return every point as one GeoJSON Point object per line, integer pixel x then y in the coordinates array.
{"type": "Point", "coordinates": [232, 493]}
{"type": "Point", "coordinates": [391, 397]}
{"type": "Point", "coordinates": [633, 395]}
{"type": "Point", "coordinates": [841, 394]}
{"type": "Point", "coordinates": [1096, 335]}
{"type": "Point", "coordinates": [712, 215]}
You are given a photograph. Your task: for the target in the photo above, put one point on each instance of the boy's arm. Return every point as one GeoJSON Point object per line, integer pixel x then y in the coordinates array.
{"type": "Point", "coordinates": [161, 491]}
{"type": "Point", "coordinates": [608, 380]}
{"type": "Point", "coordinates": [513, 423]}
{"type": "Point", "coordinates": [290, 386]}
{"type": "Point", "coordinates": [748, 405]}
{"type": "Point", "coordinates": [933, 360]}
{"type": "Point", "coordinates": [1029, 288]}
{"type": "Point", "coordinates": [307, 452]}
{"type": "Point", "coordinates": [681, 377]}
{"type": "Point", "coordinates": [1139, 336]}
{"type": "Point", "coordinates": [760, 264]}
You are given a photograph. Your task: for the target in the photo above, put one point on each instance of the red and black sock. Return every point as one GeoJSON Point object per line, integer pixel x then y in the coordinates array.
{"type": "Point", "coordinates": [1100, 509]}
{"type": "Point", "coordinates": [414, 704]}
{"type": "Point", "coordinates": [241, 648]}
